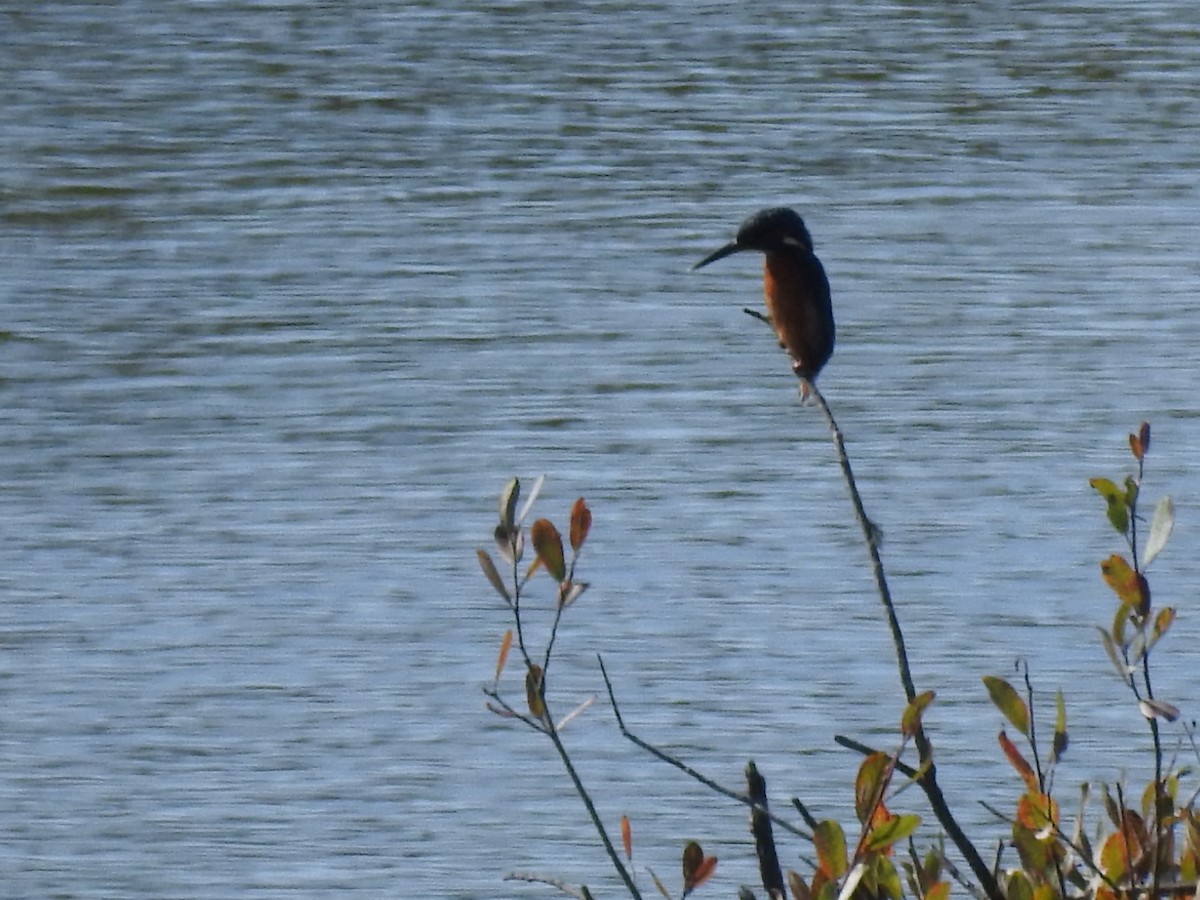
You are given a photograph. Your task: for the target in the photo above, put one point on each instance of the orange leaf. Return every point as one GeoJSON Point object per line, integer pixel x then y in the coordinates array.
{"type": "Point", "coordinates": [548, 544]}
{"type": "Point", "coordinates": [1036, 811]}
{"type": "Point", "coordinates": [533, 691]}
{"type": "Point", "coordinates": [627, 836]}
{"type": "Point", "coordinates": [1018, 762]}
{"type": "Point", "coordinates": [505, 646]}
{"type": "Point", "coordinates": [939, 891]}
{"type": "Point", "coordinates": [581, 524]}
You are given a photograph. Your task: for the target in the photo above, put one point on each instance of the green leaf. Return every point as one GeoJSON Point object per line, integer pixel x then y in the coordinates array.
{"type": "Point", "coordinates": [894, 829]}
{"type": "Point", "coordinates": [870, 784]}
{"type": "Point", "coordinates": [830, 843]}
{"type": "Point", "coordinates": [883, 877]}
{"type": "Point", "coordinates": [910, 721]}
{"type": "Point", "coordinates": [1131, 492]}
{"type": "Point", "coordinates": [1009, 702]}
{"type": "Point", "coordinates": [1019, 887]}
{"type": "Point", "coordinates": [1160, 529]}
{"type": "Point", "coordinates": [1114, 497]}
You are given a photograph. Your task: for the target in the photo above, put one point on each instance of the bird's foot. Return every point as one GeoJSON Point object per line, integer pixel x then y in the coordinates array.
{"type": "Point", "coordinates": [806, 385]}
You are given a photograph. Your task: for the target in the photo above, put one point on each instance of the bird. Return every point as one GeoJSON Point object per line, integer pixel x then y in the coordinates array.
{"type": "Point", "coordinates": [795, 286]}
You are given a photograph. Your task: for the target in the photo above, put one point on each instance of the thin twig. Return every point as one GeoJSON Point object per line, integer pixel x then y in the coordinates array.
{"type": "Point", "coordinates": [535, 878]}
{"type": "Point", "coordinates": [928, 781]}
{"type": "Point", "coordinates": [688, 770]}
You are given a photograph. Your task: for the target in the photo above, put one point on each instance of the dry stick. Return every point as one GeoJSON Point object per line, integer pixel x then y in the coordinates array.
{"type": "Point", "coordinates": [928, 781]}
{"type": "Point", "coordinates": [764, 838]}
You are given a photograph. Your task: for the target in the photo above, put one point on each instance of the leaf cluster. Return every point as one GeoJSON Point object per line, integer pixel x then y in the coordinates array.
{"type": "Point", "coordinates": [1145, 849]}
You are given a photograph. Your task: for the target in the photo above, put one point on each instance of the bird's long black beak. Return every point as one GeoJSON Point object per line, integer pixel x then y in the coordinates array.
{"type": "Point", "coordinates": [725, 251]}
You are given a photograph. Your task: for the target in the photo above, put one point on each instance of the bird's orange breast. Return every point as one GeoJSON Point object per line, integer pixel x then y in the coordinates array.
{"type": "Point", "coordinates": [797, 312]}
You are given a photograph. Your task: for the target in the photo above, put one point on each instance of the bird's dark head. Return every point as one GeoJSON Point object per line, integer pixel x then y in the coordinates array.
{"type": "Point", "coordinates": [768, 231]}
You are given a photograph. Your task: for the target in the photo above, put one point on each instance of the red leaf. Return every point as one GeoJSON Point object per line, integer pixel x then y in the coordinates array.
{"type": "Point", "coordinates": [1018, 762]}
{"type": "Point", "coordinates": [627, 836]}
{"type": "Point", "coordinates": [697, 868]}
{"type": "Point", "coordinates": [581, 524]}
{"type": "Point", "coordinates": [693, 855]}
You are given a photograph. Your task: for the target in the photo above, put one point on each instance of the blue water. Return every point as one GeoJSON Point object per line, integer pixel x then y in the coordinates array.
{"type": "Point", "coordinates": [289, 293]}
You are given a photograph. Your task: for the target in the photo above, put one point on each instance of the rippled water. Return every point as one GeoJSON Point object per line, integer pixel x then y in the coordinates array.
{"type": "Point", "coordinates": [290, 292]}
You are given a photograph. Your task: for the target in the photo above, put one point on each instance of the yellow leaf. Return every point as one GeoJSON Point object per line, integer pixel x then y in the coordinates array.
{"type": "Point", "coordinates": [1114, 497]}
{"type": "Point", "coordinates": [1009, 702]}
{"type": "Point", "coordinates": [1129, 586]}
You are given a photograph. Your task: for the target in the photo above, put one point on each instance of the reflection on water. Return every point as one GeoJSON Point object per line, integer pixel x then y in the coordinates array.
{"type": "Point", "coordinates": [289, 293]}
